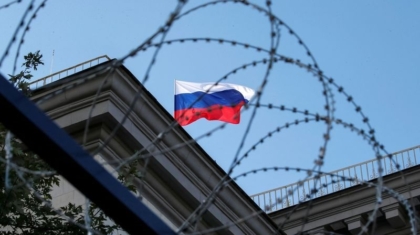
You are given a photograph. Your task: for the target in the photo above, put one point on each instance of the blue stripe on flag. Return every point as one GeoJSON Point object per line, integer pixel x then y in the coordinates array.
{"type": "Point", "coordinates": [223, 98]}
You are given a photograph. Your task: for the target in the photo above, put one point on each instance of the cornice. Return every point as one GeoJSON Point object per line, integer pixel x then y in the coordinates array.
{"type": "Point", "coordinates": [352, 201]}
{"type": "Point", "coordinates": [194, 170]}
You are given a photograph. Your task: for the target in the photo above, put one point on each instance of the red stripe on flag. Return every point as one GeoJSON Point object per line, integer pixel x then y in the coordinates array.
{"type": "Point", "coordinates": [230, 114]}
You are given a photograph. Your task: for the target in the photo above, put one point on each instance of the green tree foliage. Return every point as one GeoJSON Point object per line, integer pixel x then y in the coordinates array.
{"type": "Point", "coordinates": [24, 209]}
{"type": "Point", "coordinates": [20, 80]}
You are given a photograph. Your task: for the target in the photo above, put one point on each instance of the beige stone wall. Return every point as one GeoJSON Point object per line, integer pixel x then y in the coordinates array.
{"type": "Point", "coordinates": [65, 193]}
{"type": "Point", "coordinates": [176, 181]}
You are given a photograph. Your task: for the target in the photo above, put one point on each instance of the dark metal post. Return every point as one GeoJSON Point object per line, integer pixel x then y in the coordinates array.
{"type": "Point", "coordinates": [68, 158]}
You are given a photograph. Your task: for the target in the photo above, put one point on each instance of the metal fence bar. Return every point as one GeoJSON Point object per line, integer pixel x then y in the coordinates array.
{"type": "Point", "coordinates": [364, 171]}
{"type": "Point", "coordinates": [64, 73]}
{"type": "Point", "coordinates": [69, 159]}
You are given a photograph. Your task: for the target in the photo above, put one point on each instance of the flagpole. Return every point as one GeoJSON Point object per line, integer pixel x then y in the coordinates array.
{"type": "Point", "coordinates": [174, 96]}
{"type": "Point", "coordinates": [52, 62]}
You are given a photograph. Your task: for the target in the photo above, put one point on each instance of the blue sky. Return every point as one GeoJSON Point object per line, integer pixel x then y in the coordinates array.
{"type": "Point", "coordinates": [368, 47]}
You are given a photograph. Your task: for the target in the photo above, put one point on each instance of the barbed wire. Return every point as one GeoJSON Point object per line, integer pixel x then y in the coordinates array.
{"type": "Point", "coordinates": [47, 203]}
{"type": "Point", "coordinates": [158, 41]}
{"type": "Point", "coordinates": [21, 41]}
{"type": "Point", "coordinates": [9, 4]}
{"type": "Point", "coordinates": [18, 28]}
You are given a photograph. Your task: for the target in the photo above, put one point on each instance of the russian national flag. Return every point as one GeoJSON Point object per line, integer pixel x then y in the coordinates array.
{"type": "Point", "coordinates": [221, 102]}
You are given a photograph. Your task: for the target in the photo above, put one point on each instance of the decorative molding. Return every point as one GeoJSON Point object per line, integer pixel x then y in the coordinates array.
{"type": "Point", "coordinates": [355, 224]}
{"type": "Point", "coordinates": [395, 215]}
{"type": "Point", "coordinates": [176, 181]}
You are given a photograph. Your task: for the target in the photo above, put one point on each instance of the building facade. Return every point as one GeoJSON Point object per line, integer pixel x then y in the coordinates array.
{"type": "Point", "coordinates": [179, 174]}
{"type": "Point", "coordinates": [347, 211]}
